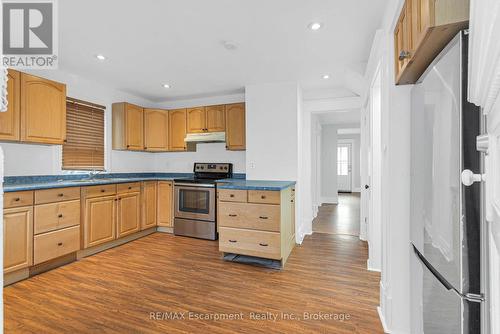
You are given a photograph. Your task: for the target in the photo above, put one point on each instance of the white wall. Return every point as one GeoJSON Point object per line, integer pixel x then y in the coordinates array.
{"type": "Point", "coordinates": [329, 188]}
{"type": "Point", "coordinates": [27, 159]}
{"type": "Point", "coordinates": [355, 139]}
{"type": "Point", "coordinates": [272, 132]}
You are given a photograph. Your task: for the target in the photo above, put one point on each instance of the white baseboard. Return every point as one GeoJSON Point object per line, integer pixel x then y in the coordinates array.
{"type": "Point", "coordinates": [382, 320]}
{"type": "Point", "coordinates": [356, 190]}
{"type": "Point", "coordinates": [370, 267]}
{"type": "Point", "coordinates": [330, 200]}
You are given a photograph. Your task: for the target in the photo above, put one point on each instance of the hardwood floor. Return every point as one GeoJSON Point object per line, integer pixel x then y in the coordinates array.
{"type": "Point", "coordinates": [342, 218]}
{"type": "Point", "coordinates": [130, 289]}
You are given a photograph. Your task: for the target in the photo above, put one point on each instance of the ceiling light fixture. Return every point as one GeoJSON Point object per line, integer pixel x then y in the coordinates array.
{"type": "Point", "coordinates": [326, 76]}
{"type": "Point", "coordinates": [315, 26]}
{"type": "Point", "coordinates": [166, 86]}
{"type": "Point", "coordinates": [229, 45]}
{"type": "Point", "coordinates": [100, 57]}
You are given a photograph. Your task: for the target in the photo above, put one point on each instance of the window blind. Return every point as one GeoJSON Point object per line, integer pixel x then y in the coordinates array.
{"type": "Point", "coordinates": [84, 146]}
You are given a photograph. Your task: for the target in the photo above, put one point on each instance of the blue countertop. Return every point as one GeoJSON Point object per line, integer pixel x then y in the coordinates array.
{"type": "Point", "coordinates": [20, 183]}
{"type": "Point", "coordinates": [254, 184]}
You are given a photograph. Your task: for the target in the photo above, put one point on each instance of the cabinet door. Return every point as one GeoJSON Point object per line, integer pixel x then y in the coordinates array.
{"type": "Point", "coordinates": [43, 110]}
{"type": "Point", "coordinates": [196, 120]}
{"type": "Point", "coordinates": [18, 238]}
{"type": "Point", "coordinates": [134, 127]}
{"type": "Point", "coordinates": [149, 204]}
{"type": "Point", "coordinates": [177, 130]}
{"type": "Point", "coordinates": [100, 220]}
{"type": "Point", "coordinates": [129, 214]}
{"type": "Point", "coordinates": [10, 120]}
{"type": "Point", "coordinates": [165, 203]}
{"type": "Point", "coordinates": [235, 126]}
{"type": "Point", "coordinates": [155, 130]}
{"type": "Point", "coordinates": [402, 40]}
{"type": "Point", "coordinates": [421, 20]}
{"type": "Point", "coordinates": [216, 118]}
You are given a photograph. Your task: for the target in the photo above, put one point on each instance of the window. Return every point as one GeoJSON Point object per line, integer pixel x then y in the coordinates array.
{"type": "Point", "coordinates": [84, 146]}
{"type": "Point", "coordinates": [342, 160]}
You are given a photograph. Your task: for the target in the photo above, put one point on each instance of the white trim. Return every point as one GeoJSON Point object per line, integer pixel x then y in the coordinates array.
{"type": "Point", "coordinates": [356, 190]}
{"type": "Point", "coordinates": [370, 267]}
{"type": "Point", "coordinates": [330, 200]}
{"type": "Point", "coordinates": [382, 320]}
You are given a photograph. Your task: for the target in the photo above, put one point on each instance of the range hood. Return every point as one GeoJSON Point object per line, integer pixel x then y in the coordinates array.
{"type": "Point", "coordinates": [208, 137]}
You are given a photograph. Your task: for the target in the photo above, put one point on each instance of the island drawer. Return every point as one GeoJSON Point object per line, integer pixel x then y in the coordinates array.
{"type": "Point", "coordinates": [56, 195]}
{"type": "Point", "coordinates": [55, 216]}
{"type": "Point", "coordinates": [17, 199]}
{"type": "Point", "coordinates": [54, 244]}
{"type": "Point", "coordinates": [250, 216]}
{"type": "Point", "coordinates": [232, 195]}
{"type": "Point", "coordinates": [264, 196]}
{"type": "Point", "coordinates": [249, 242]}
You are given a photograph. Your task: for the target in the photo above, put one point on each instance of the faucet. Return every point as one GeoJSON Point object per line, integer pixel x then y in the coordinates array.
{"type": "Point", "coordinates": [93, 173]}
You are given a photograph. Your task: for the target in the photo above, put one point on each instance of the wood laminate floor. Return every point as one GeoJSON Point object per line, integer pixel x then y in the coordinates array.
{"type": "Point", "coordinates": [132, 289]}
{"type": "Point", "coordinates": [342, 218]}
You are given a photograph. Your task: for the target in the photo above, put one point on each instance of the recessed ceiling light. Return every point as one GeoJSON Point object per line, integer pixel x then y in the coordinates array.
{"type": "Point", "coordinates": [315, 26]}
{"type": "Point", "coordinates": [166, 86]}
{"type": "Point", "coordinates": [326, 76]}
{"type": "Point", "coordinates": [229, 45]}
{"type": "Point", "coordinates": [100, 57]}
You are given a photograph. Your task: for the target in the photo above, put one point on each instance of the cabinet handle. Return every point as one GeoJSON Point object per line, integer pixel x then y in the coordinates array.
{"type": "Point", "coordinates": [103, 190]}
{"type": "Point", "coordinates": [59, 244]}
{"type": "Point", "coordinates": [116, 199]}
{"type": "Point", "coordinates": [17, 199]}
{"type": "Point", "coordinates": [120, 199]}
{"type": "Point", "coordinates": [60, 195]}
{"type": "Point", "coordinates": [232, 215]}
{"type": "Point", "coordinates": [263, 245]}
{"type": "Point", "coordinates": [129, 188]}
{"type": "Point", "coordinates": [60, 215]}
{"type": "Point", "coordinates": [128, 146]}
{"type": "Point", "coordinates": [291, 201]}
{"type": "Point", "coordinates": [263, 197]}
{"type": "Point", "coordinates": [232, 240]}
{"type": "Point", "coordinates": [404, 54]}
{"type": "Point", "coordinates": [263, 217]}
{"type": "Point", "coordinates": [232, 195]}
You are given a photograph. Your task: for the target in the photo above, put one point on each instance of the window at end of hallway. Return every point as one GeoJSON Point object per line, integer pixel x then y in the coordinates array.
{"type": "Point", "coordinates": [342, 161]}
{"type": "Point", "coordinates": [84, 145]}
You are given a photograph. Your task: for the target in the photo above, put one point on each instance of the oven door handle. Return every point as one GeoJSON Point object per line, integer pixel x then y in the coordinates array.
{"type": "Point", "coordinates": [194, 185]}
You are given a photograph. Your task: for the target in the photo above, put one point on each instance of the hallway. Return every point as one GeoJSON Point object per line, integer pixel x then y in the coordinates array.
{"type": "Point", "coordinates": [342, 218]}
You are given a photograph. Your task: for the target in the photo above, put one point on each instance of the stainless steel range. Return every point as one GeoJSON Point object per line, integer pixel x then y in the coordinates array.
{"type": "Point", "coordinates": [195, 200]}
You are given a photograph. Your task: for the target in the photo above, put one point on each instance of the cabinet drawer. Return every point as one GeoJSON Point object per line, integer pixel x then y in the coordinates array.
{"type": "Point", "coordinates": [230, 195]}
{"type": "Point", "coordinates": [264, 196]}
{"type": "Point", "coordinates": [128, 187]}
{"type": "Point", "coordinates": [251, 216]}
{"type": "Point", "coordinates": [56, 195]}
{"type": "Point", "coordinates": [249, 242]}
{"type": "Point", "coordinates": [54, 216]}
{"type": "Point", "coordinates": [97, 191]}
{"type": "Point", "coordinates": [17, 199]}
{"type": "Point", "coordinates": [54, 244]}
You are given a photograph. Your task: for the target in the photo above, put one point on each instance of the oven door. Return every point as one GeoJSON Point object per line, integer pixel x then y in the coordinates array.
{"type": "Point", "coordinates": [195, 202]}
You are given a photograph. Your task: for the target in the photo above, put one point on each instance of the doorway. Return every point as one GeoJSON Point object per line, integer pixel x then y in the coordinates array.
{"type": "Point", "coordinates": [344, 167]}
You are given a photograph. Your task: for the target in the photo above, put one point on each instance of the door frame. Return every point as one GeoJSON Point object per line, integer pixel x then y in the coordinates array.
{"type": "Point", "coordinates": [349, 142]}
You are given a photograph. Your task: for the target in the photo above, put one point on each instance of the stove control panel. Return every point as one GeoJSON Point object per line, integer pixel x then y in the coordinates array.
{"type": "Point", "coordinates": [212, 168]}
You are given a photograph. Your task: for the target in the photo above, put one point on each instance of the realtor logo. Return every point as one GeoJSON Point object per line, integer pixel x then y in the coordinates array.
{"type": "Point", "coordinates": [29, 34]}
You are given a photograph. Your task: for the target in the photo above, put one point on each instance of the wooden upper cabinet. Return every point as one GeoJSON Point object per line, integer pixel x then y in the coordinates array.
{"type": "Point", "coordinates": [177, 130]}
{"type": "Point", "coordinates": [165, 203]}
{"type": "Point", "coordinates": [424, 28]}
{"type": "Point", "coordinates": [128, 127]}
{"type": "Point", "coordinates": [18, 238]}
{"type": "Point", "coordinates": [10, 120]}
{"type": "Point", "coordinates": [196, 120]}
{"type": "Point", "coordinates": [43, 110]}
{"type": "Point", "coordinates": [155, 130]}
{"type": "Point", "coordinates": [235, 126]}
{"type": "Point", "coordinates": [215, 118]}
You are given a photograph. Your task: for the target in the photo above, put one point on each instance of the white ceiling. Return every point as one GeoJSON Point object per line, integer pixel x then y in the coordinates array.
{"type": "Point", "coordinates": [352, 116]}
{"type": "Point", "coordinates": [150, 42]}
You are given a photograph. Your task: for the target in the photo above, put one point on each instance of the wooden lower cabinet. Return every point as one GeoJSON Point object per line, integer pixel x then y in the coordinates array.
{"type": "Point", "coordinates": [51, 245]}
{"type": "Point", "coordinates": [18, 238]}
{"type": "Point", "coordinates": [165, 204]}
{"type": "Point", "coordinates": [148, 204]}
{"type": "Point", "coordinates": [129, 214]}
{"type": "Point", "coordinates": [100, 220]}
